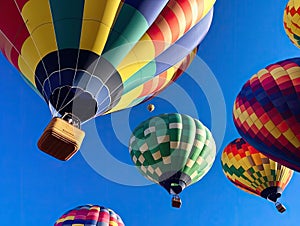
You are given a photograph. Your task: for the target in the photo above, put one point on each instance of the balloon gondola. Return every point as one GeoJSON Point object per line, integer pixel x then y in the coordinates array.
{"type": "Point", "coordinates": [90, 58]}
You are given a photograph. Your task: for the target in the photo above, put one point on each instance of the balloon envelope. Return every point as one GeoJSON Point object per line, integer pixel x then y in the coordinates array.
{"type": "Point", "coordinates": [90, 215]}
{"type": "Point", "coordinates": [291, 21]}
{"type": "Point", "coordinates": [172, 150]}
{"type": "Point", "coordinates": [253, 172]}
{"type": "Point", "coordinates": [94, 57]}
{"type": "Point", "coordinates": [266, 112]}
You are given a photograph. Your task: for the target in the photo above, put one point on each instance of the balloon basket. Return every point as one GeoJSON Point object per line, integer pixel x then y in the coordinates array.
{"type": "Point", "coordinates": [61, 139]}
{"type": "Point", "coordinates": [176, 202]}
{"type": "Point", "coordinates": [281, 208]}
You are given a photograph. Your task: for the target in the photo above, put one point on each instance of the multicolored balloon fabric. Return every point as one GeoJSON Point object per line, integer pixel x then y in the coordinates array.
{"type": "Point", "coordinates": [90, 215]}
{"type": "Point", "coordinates": [266, 112]}
{"type": "Point", "coordinates": [291, 21]}
{"type": "Point", "coordinates": [94, 57]}
{"type": "Point", "coordinates": [253, 172]}
{"type": "Point", "coordinates": [172, 150]}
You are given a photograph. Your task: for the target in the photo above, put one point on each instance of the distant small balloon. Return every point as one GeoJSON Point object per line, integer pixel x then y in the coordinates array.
{"type": "Point", "coordinates": [150, 107]}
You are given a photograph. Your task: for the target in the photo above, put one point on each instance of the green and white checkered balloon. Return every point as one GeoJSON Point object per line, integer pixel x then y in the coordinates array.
{"type": "Point", "coordinates": [172, 149]}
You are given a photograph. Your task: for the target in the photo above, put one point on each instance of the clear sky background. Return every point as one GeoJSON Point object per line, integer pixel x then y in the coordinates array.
{"type": "Point", "coordinates": [36, 189]}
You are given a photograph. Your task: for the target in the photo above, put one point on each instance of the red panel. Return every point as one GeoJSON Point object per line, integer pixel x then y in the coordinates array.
{"type": "Point", "coordinates": [187, 9]}
{"type": "Point", "coordinates": [13, 27]}
{"type": "Point", "coordinates": [21, 3]}
{"type": "Point", "coordinates": [172, 20]}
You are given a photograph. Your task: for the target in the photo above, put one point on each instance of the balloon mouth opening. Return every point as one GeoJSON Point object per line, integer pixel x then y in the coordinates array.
{"type": "Point", "coordinates": [177, 187]}
{"type": "Point", "coordinates": [175, 183]}
{"type": "Point", "coordinates": [271, 193]}
{"type": "Point", "coordinates": [273, 197]}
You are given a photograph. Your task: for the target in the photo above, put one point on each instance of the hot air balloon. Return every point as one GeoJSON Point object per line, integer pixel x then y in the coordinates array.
{"type": "Point", "coordinates": [150, 107]}
{"type": "Point", "coordinates": [255, 173]}
{"type": "Point", "coordinates": [291, 21]}
{"type": "Point", "coordinates": [266, 112]}
{"type": "Point", "coordinates": [90, 215]}
{"type": "Point", "coordinates": [172, 150]}
{"type": "Point", "coordinates": [89, 58]}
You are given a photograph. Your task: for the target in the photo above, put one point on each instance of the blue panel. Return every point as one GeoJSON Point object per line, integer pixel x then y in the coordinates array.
{"type": "Point", "coordinates": [184, 45]}
{"type": "Point", "coordinates": [149, 8]}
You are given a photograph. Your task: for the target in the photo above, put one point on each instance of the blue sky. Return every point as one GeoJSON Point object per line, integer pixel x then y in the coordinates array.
{"type": "Point", "coordinates": [36, 189]}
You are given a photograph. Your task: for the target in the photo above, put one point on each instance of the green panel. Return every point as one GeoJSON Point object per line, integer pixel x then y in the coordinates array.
{"type": "Point", "coordinates": [140, 77]}
{"type": "Point", "coordinates": [67, 18]}
{"type": "Point", "coordinates": [128, 29]}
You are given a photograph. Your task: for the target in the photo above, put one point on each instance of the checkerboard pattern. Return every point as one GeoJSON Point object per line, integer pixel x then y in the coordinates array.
{"type": "Point", "coordinates": [170, 143]}
{"type": "Point", "coordinates": [252, 171]}
{"type": "Point", "coordinates": [90, 215]}
{"type": "Point", "coordinates": [291, 21]}
{"type": "Point", "coordinates": [266, 112]}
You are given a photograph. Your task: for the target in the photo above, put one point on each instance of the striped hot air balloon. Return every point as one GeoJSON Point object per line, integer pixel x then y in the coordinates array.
{"type": "Point", "coordinates": [87, 58]}
{"type": "Point", "coordinates": [255, 173]}
{"type": "Point", "coordinates": [266, 112]}
{"type": "Point", "coordinates": [172, 150]}
{"type": "Point", "coordinates": [90, 215]}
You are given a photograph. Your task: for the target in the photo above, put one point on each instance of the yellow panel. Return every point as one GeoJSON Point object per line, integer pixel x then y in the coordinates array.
{"type": "Point", "coordinates": [112, 223]}
{"type": "Point", "coordinates": [35, 13]}
{"type": "Point", "coordinates": [208, 4]}
{"type": "Point", "coordinates": [258, 124]}
{"type": "Point", "coordinates": [278, 72]}
{"type": "Point", "coordinates": [275, 132]}
{"type": "Point", "coordinates": [44, 39]}
{"type": "Point", "coordinates": [31, 59]}
{"type": "Point", "coordinates": [34, 49]}
{"type": "Point", "coordinates": [38, 19]}
{"type": "Point", "coordinates": [260, 73]}
{"type": "Point", "coordinates": [139, 56]}
{"type": "Point", "coordinates": [257, 159]}
{"type": "Point", "coordinates": [289, 136]}
{"type": "Point", "coordinates": [127, 99]}
{"type": "Point", "coordinates": [65, 218]}
{"type": "Point", "coordinates": [26, 70]}
{"type": "Point", "coordinates": [295, 73]}
{"type": "Point", "coordinates": [249, 121]}
{"type": "Point", "coordinates": [295, 3]}
{"type": "Point", "coordinates": [269, 125]}
{"type": "Point", "coordinates": [94, 36]}
{"type": "Point", "coordinates": [243, 117]}
{"type": "Point", "coordinates": [98, 17]}
{"type": "Point", "coordinates": [236, 111]}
